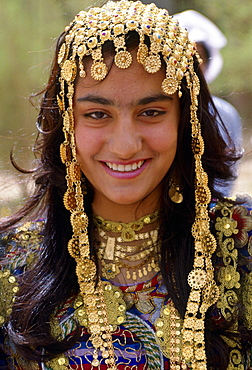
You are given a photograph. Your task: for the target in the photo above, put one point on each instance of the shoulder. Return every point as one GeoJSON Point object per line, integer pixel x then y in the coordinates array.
{"type": "Point", "coordinates": [232, 224]}
{"type": "Point", "coordinates": [20, 246]}
{"type": "Point", "coordinates": [232, 218]}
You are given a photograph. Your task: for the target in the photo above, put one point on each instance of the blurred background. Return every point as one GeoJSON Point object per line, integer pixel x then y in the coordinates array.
{"type": "Point", "coordinates": [29, 30]}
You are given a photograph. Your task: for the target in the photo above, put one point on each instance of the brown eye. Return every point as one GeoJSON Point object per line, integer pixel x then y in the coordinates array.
{"type": "Point", "coordinates": [96, 115]}
{"type": "Point", "coordinates": [152, 113]}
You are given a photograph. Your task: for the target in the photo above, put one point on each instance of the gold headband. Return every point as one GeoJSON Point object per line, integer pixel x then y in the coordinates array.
{"type": "Point", "coordinates": [90, 30]}
{"type": "Point", "coordinates": [85, 36]}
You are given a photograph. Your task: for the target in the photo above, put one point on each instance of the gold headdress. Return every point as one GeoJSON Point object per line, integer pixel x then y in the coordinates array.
{"type": "Point", "coordinates": [85, 36]}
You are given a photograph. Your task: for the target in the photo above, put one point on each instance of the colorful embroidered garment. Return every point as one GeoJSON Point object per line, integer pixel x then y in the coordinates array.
{"type": "Point", "coordinates": [135, 341]}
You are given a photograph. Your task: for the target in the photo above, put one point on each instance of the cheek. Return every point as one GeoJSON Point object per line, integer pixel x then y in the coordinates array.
{"type": "Point", "coordinates": [82, 146]}
{"type": "Point", "coordinates": [164, 140]}
{"type": "Point", "coordinates": [88, 143]}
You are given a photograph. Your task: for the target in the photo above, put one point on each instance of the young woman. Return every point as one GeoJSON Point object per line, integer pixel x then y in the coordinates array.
{"type": "Point", "coordinates": [122, 258]}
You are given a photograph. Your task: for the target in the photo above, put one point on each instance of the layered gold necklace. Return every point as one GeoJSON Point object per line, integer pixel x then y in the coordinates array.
{"type": "Point", "coordinates": [127, 245]}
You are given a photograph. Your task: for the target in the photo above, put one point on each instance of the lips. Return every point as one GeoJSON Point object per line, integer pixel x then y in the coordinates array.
{"type": "Point", "coordinates": [124, 168]}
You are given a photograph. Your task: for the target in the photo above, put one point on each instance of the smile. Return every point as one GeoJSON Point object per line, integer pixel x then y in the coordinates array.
{"type": "Point", "coordinates": [124, 168]}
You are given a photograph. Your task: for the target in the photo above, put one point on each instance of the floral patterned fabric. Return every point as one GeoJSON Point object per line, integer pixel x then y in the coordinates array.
{"type": "Point", "coordinates": [134, 340]}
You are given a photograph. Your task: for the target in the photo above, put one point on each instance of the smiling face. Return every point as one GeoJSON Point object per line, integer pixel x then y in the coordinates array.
{"type": "Point", "coordinates": [126, 136]}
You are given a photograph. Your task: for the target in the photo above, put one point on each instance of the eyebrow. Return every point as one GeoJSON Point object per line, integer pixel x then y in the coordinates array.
{"type": "Point", "coordinates": [103, 101]}
{"type": "Point", "coordinates": [95, 99]}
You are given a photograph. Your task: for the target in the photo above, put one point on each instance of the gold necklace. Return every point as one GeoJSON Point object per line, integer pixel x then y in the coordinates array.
{"type": "Point", "coordinates": [127, 230]}
{"type": "Point", "coordinates": [114, 255]}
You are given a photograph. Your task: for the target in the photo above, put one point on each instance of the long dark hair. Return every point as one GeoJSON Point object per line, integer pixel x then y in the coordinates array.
{"type": "Point", "coordinates": [52, 279]}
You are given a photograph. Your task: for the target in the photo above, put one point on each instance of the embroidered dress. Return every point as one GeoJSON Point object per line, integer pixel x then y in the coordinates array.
{"type": "Point", "coordinates": [135, 340]}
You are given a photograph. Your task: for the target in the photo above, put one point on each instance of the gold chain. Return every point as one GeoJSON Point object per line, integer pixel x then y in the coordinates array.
{"type": "Point", "coordinates": [128, 230]}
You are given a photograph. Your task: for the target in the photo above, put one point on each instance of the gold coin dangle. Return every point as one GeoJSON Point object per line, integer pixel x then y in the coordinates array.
{"type": "Point", "coordinates": [68, 71]}
{"type": "Point", "coordinates": [69, 200]}
{"type": "Point", "coordinates": [169, 85]}
{"type": "Point", "coordinates": [197, 278]}
{"type": "Point", "coordinates": [99, 71]}
{"type": "Point", "coordinates": [152, 63]}
{"type": "Point", "coordinates": [123, 59]}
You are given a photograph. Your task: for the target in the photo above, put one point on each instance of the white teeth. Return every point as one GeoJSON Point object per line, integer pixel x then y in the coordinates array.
{"type": "Point", "coordinates": [124, 168]}
{"type": "Point", "coordinates": [120, 167]}
{"type": "Point", "coordinates": [134, 166]}
{"type": "Point", "coordinates": [128, 167]}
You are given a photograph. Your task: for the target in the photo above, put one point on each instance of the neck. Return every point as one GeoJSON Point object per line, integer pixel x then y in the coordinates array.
{"type": "Point", "coordinates": [124, 212]}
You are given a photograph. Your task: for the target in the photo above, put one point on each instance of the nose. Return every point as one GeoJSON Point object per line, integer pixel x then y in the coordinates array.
{"type": "Point", "coordinates": [125, 140]}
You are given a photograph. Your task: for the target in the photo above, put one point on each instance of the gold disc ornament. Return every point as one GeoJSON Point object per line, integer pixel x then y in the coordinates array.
{"type": "Point", "coordinates": [152, 63]}
{"type": "Point", "coordinates": [79, 220]}
{"type": "Point", "coordinates": [175, 195]}
{"type": "Point", "coordinates": [99, 71]}
{"type": "Point", "coordinates": [73, 248]}
{"type": "Point", "coordinates": [211, 294]}
{"type": "Point", "coordinates": [169, 85]}
{"type": "Point", "coordinates": [197, 278]}
{"type": "Point", "coordinates": [74, 171]}
{"type": "Point", "coordinates": [69, 200]}
{"type": "Point", "coordinates": [86, 270]}
{"type": "Point", "coordinates": [69, 70]}
{"type": "Point", "coordinates": [123, 59]}
{"type": "Point", "coordinates": [203, 194]}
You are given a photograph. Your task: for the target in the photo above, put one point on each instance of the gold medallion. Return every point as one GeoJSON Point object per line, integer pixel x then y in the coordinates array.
{"type": "Point", "coordinates": [79, 220]}
{"type": "Point", "coordinates": [203, 194]}
{"type": "Point", "coordinates": [74, 171]}
{"type": "Point", "coordinates": [123, 59]}
{"type": "Point", "coordinates": [86, 270]}
{"type": "Point", "coordinates": [209, 243]}
{"type": "Point", "coordinates": [73, 248]}
{"type": "Point", "coordinates": [211, 294]}
{"type": "Point", "coordinates": [175, 195]}
{"type": "Point", "coordinates": [69, 200]}
{"type": "Point", "coordinates": [169, 85]}
{"type": "Point", "coordinates": [197, 278]}
{"type": "Point", "coordinates": [68, 71]}
{"type": "Point", "coordinates": [152, 63]}
{"type": "Point", "coordinates": [99, 71]}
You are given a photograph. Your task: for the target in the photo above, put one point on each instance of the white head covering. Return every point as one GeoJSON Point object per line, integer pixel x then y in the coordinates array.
{"type": "Point", "coordinates": [201, 29]}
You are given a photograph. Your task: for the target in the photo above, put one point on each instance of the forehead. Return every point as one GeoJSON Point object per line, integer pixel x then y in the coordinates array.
{"type": "Point", "coordinates": [129, 84]}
